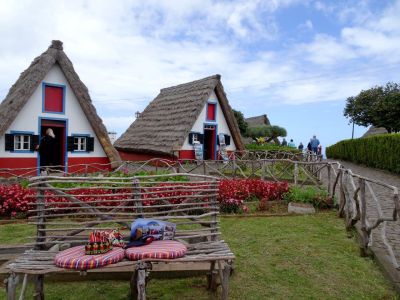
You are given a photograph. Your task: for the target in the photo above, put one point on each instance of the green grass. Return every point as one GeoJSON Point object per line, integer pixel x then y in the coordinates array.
{"type": "Point", "coordinates": [16, 233]}
{"type": "Point", "coordinates": [302, 257]}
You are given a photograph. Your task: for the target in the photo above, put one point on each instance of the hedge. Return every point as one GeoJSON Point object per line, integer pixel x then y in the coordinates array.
{"type": "Point", "coordinates": [270, 147]}
{"type": "Point", "coordinates": [379, 151]}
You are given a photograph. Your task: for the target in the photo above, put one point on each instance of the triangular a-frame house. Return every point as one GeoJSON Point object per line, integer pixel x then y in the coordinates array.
{"type": "Point", "coordinates": [49, 94]}
{"type": "Point", "coordinates": [186, 121]}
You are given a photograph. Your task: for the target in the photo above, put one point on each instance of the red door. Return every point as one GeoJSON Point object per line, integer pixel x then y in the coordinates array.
{"type": "Point", "coordinates": [209, 141]}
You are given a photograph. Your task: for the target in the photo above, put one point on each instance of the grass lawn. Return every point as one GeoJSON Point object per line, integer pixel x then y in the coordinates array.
{"type": "Point", "coordinates": [301, 257]}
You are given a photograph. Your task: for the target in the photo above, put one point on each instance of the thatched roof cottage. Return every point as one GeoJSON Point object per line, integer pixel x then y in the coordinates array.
{"type": "Point", "coordinates": [49, 94]}
{"type": "Point", "coordinates": [181, 118]}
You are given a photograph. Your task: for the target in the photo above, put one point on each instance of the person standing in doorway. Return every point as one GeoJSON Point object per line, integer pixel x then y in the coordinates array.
{"type": "Point", "coordinates": [314, 144]}
{"type": "Point", "coordinates": [47, 149]}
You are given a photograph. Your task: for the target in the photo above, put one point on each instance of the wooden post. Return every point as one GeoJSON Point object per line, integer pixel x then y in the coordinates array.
{"type": "Point", "coordinates": [295, 173]}
{"type": "Point", "coordinates": [225, 281]}
{"type": "Point", "coordinates": [212, 278]}
{"type": "Point", "coordinates": [363, 218]}
{"type": "Point", "coordinates": [213, 225]}
{"type": "Point", "coordinates": [204, 168]}
{"type": "Point", "coordinates": [136, 196]}
{"type": "Point", "coordinates": [11, 286]}
{"type": "Point", "coordinates": [40, 238]}
{"type": "Point", "coordinates": [138, 281]}
{"type": "Point", "coordinates": [263, 170]}
{"type": "Point", "coordinates": [342, 197]}
{"type": "Point", "coordinates": [329, 181]}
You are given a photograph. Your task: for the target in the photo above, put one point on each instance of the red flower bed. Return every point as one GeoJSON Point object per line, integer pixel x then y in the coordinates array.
{"type": "Point", "coordinates": [232, 192]}
{"type": "Point", "coordinates": [15, 200]}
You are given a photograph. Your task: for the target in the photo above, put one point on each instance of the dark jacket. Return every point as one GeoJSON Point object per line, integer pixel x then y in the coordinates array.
{"type": "Point", "coordinates": [48, 151]}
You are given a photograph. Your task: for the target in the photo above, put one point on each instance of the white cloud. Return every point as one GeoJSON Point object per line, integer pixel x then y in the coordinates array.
{"type": "Point", "coordinates": [126, 53]}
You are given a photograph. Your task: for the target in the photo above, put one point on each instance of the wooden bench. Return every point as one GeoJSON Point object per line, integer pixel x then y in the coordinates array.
{"type": "Point", "coordinates": [67, 209]}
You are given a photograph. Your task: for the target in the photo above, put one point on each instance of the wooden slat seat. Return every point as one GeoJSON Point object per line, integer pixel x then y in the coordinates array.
{"type": "Point", "coordinates": [65, 212]}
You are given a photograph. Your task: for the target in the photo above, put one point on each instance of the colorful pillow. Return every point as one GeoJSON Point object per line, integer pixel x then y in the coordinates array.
{"type": "Point", "coordinates": [75, 258]}
{"type": "Point", "coordinates": [165, 249]}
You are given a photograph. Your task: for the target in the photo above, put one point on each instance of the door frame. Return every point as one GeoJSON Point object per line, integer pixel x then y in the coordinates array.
{"type": "Point", "coordinates": [215, 137]}
{"type": "Point", "coordinates": [64, 140]}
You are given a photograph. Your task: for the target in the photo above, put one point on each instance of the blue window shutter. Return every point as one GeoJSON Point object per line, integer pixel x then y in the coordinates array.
{"type": "Point", "coordinates": [9, 145]}
{"type": "Point", "coordinates": [90, 144]}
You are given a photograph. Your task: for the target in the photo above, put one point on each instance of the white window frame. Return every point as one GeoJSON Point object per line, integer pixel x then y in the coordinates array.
{"type": "Point", "coordinates": [22, 142]}
{"type": "Point", "coordinates": [80, 143]}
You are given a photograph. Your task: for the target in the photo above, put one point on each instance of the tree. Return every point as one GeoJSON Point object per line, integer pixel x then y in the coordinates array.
{"type": "Point", "coordinates": [378, 106]}
{"type": "Point", "coordinates": [241, 122]}
{"type": "Point", "coordinates": [270, 132]}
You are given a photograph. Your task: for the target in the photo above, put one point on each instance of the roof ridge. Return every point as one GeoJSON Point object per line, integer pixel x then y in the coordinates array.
{"type": "Point", "coordinates": [216, 76]}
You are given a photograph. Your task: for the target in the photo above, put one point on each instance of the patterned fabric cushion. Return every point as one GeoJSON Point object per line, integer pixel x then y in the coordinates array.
{"type": "Point", "coordinates": [158, 249]}
{"type": "Point", "coordinates": [75, 258]}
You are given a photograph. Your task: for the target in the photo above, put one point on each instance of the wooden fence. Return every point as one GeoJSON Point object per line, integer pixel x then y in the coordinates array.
{"type": "Point", "coordinates": [369, 205]}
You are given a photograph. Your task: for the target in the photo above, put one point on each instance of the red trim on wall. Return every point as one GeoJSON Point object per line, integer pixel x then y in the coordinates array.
{"type": "Point", "coordinates": [18, 163]}
{"type": "Point", "coordinates": [187, 154]}
{"type": "Point", "coordinates": [53, 98]}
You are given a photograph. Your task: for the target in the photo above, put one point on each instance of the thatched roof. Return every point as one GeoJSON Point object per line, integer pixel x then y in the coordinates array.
{"type": "Point", "coordinates": [374, 131]}
{"type": "Point", "coordinates": [167, 120]}
{"type": "Point", "coordinates": [32, 77]}
{"type": "Point", "coordinates": [258, 121]}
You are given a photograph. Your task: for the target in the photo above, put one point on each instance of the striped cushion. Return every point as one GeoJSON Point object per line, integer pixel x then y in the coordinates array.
{"type": "Point", "coordinates": [75, 258]}
{"type": "Point", "coordinates": [158, 249]}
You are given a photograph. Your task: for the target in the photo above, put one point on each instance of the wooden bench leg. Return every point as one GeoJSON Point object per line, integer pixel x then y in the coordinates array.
{"type": "Point", "coordinates": [212, 278]}
{"type": "Point", "coordinates": [11, 286]}
{"type": "Point", "coordinates": [225, 280]}
{"type": "Point", "coordinates": [39, 289]}
{"type": "Point", "coordinates": [139, 281]}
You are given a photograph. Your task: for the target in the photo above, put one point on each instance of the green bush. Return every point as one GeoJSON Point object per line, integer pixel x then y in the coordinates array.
{"type": "Point", "coordinates": [379, 151]}
{"type": "Point", "coordinates": [309, 195]}
{"type": "Point", "coordinates": [270, 147]}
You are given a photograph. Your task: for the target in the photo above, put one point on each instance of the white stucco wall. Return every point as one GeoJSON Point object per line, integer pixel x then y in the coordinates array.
{"type": "Point", "coordinates": [220, 121]}
{"type": "Point", "coordinates": [28, 118]}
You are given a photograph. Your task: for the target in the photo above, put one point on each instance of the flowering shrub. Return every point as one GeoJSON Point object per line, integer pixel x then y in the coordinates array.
{"type": "Point", "coordinates": [232, 192]}
{"type": "Point", "coordinates": [16, 200]}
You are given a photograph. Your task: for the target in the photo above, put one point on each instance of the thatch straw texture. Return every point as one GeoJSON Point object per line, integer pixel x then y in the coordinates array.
{"type": "Point", "coordinates": [257, 121]}
{"type": "Point", "coordinates": [30, 79]}
{"type": "Point", "coordinates": [374, 131]}
{"type": "Point", "coordinates": [167, 120]}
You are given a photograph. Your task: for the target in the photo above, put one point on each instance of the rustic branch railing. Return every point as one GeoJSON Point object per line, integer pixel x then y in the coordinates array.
{"type": "Point", "coordinates": [360, 203]}
{"type": "Point", "coordinates": [360, 198]}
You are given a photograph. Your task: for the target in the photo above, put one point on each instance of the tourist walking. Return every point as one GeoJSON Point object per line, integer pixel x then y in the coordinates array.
{"type": "Point", "coordinates": [301, 147]}
{"type": "Point", "coordinates": [284, 142]}
{"type": "Point", "coordinates": [314, 144]}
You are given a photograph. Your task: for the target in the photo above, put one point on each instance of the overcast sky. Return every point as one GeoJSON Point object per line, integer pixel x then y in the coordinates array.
{"type": "Point", "coordinates": [295, 60]}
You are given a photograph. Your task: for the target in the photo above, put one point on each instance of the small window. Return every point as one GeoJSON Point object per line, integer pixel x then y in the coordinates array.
{"type": "Point", "coordinates": [80, 143]}
{"type": "Point", "coordinates": [53, 98]}
{"type": "Point", "coordinates": [22, 142]}
{"type": "Point", "coordinates": [195, 137]}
